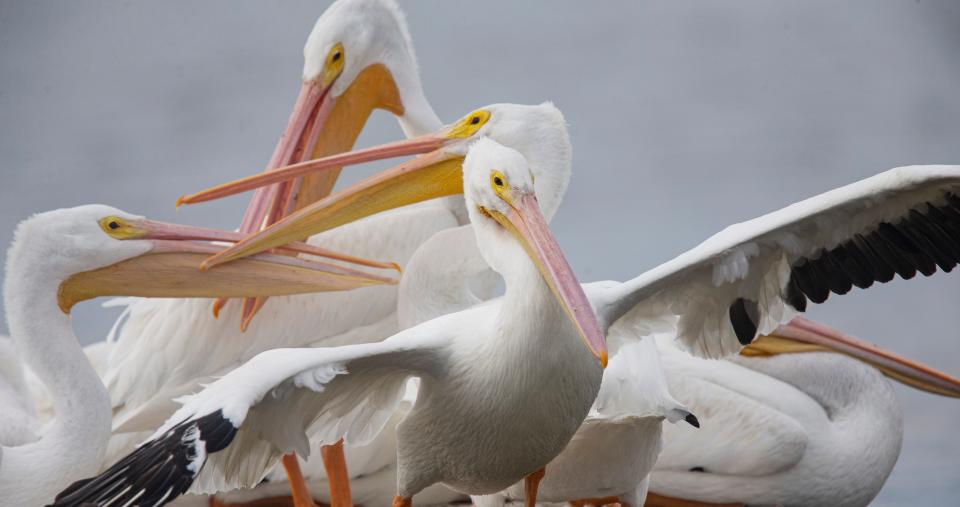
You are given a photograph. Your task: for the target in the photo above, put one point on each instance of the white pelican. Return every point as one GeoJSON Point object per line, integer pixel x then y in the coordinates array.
{"type": "Point", "coordinates": [810, 428]}
{"type": "Point", "coordinates": [517, 376]}
{"type": "Point", "coordinates": [539, 132]}
{"type": "Point", "coordinates": [65, 256]}
{"type": "Point", "coordinates": [436, 281]}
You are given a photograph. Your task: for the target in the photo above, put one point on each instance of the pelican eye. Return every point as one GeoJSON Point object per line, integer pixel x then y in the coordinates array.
{"type": "Point", "coordinates": [333, 65]}
{"type": "Point", "coordinates": [498, 182]}
{"type": "Point", "coordinates": [118, 228]}
{"type": "Point", "coordinates": [469, 125]}
{"type": "Point", "coordinates": [335, 54]}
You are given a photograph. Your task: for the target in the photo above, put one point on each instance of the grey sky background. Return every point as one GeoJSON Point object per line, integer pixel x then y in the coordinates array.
{"type": "Point", "coordinates": [685, 116]}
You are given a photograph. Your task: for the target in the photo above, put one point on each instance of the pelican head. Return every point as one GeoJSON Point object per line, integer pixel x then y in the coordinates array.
{"type": "Point", "coordinates": [97, 250]}
{"type": "Point", "coordinates": [365, 45]}
{"type": "Point", "coordinates": [357, 58]}
{"type": "Point", "coordinates": [501, 200]}
{"type": "Point", "coordinates": [538, 132]}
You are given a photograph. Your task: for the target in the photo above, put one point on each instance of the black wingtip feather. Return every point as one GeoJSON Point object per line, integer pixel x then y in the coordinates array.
{"type": "Point", "coordinates": [743, 314]}
{"type": "Point", "coordinates": [926, 238]}
{"type": "Point", "coordinates": [157, 472]}
{"type": "Point", "coordinates": [794, 296]}
{"type": "Point", "coordinates": [692, 420]}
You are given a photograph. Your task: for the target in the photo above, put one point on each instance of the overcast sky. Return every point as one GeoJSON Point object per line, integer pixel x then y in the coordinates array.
{"type": "Point", "coordinates": [686, 117]}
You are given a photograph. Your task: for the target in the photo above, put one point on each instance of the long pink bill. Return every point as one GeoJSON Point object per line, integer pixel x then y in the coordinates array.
{"type": "Point", "coordinates": [169, 268]}
{"type": "Point", "coordinates": [415, 146]}
{"type": "Point", "coordinates": [166, 231]}
{"type": "Point", "coordinates": [176, 238]}
{"type": "Point", "coordinates": [530, 225]}
{"type": "Point", "coordinates": [310, 110]}
{"type": "Point", "coordinates": [269, 204]}
{"type": "Point", "coordinates": [892, 365]}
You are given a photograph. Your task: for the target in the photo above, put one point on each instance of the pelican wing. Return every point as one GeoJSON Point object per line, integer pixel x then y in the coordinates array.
{"type": "Point", "coordinates": [230, 434]}
{"type": "Point", "coordinates": [753, 276]}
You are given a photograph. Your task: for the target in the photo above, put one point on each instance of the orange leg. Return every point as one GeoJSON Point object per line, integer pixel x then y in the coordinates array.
{"type": "Point", "coordinates": [335, 463]}
{"type": "Point", "coordinates": [530, 485]}
{"type": "Point", "coordinates": [298, 487]}
{"type": "Point", "coordinates": [402, 501]}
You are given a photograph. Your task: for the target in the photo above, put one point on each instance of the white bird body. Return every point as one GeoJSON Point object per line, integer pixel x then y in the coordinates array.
{"type": "Point", "coordinates": [795, 429]}
{"type": "Point", "coordinates": [615, 449]}
{"type": "Point", "coordinates": [473, 391]}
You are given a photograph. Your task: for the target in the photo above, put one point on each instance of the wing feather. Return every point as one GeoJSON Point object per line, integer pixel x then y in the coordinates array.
{"type": "Point", "coordinates": [755, 275]}
{"type": "Point", "coordinates": [234, 431]}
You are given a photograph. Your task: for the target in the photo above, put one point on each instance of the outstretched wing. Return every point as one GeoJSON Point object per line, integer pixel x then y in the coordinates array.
{"type": "Point", "coordinates": [231, 433]}
{"type": "Point", "coordinates": [755, 275]}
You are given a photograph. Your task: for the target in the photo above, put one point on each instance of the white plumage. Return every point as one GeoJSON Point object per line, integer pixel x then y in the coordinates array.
{"type": "Point", "coordinates": [615, 449]}
{"type": "Point", "coordinates": [795, 429]}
